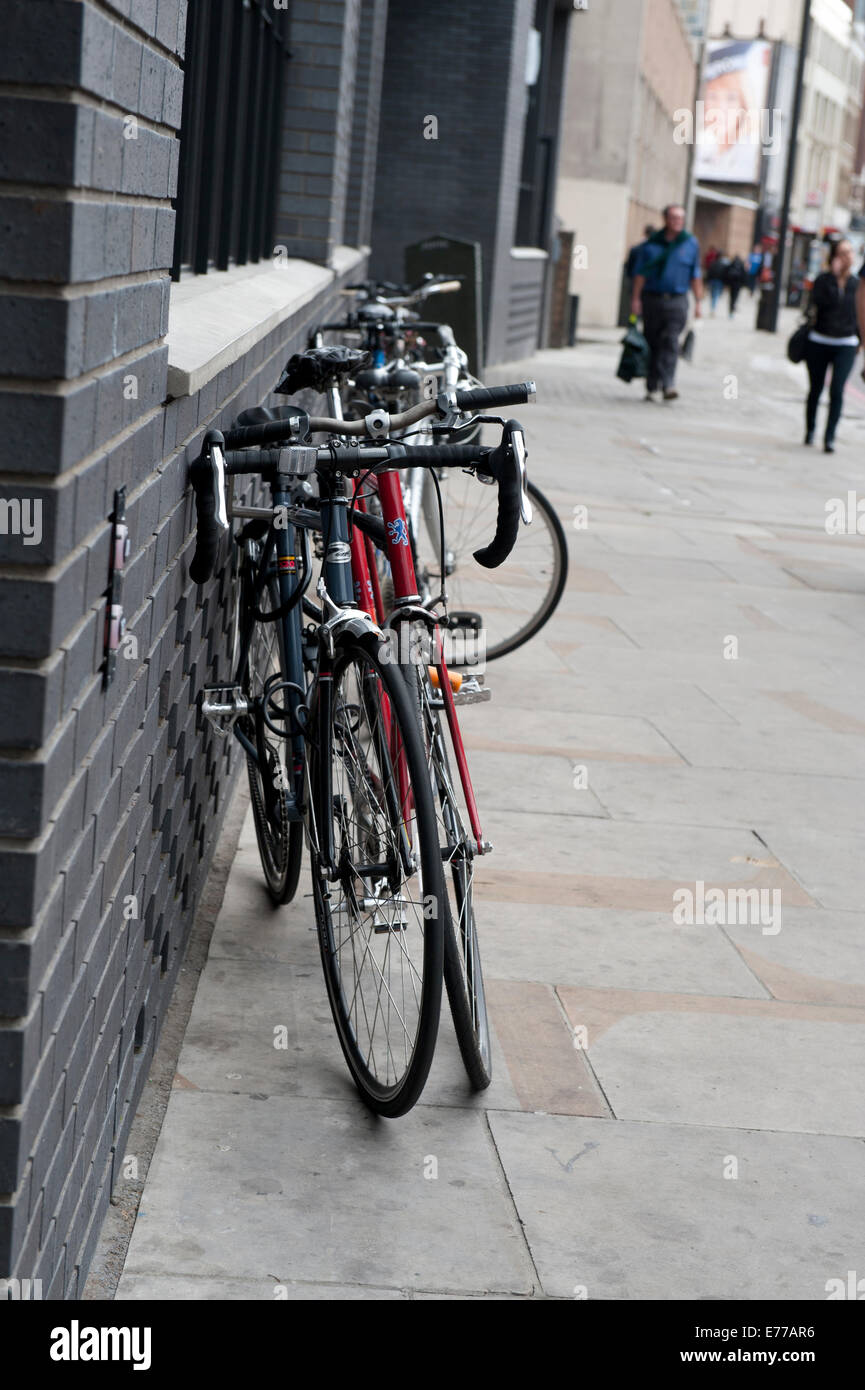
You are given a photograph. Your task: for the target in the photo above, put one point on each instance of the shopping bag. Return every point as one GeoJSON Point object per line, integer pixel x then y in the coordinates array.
{"type": "Point", "coordinates": [634, 361]}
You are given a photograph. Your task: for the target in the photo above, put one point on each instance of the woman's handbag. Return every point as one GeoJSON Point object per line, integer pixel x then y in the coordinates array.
{"type": "Point", "coordinates": [798, 344]}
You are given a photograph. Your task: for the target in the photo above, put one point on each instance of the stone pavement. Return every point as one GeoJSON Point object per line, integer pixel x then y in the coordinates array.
{"type": "Point", "coordinates": [677, 1109]}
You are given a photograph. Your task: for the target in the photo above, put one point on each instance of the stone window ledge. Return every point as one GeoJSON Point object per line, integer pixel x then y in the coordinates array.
{"type": "Point", "coordinates": [215, 319]}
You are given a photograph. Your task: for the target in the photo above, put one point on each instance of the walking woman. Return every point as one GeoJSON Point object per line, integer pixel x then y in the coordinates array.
{"type": "Point", "coordinates": [833, 340]}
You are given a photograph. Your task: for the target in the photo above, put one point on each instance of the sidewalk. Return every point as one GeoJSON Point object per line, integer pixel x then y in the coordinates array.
{"type": "Point", "coordinates": [708, 1143]}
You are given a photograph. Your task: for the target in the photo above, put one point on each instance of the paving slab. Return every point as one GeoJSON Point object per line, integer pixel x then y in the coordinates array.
{"type": "Point", "coordinates": [618, 1210]}
{"type": "Point", "coordinates": [250, 1189]}
{"type": "Point", "coordinates": [704, 1060]}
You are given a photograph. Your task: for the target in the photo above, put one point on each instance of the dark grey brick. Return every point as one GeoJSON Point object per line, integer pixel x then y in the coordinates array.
{"type": "Point", "coordinates": [41, 42]}
{"type": "Point", "coordinates": [29, 703]}
{"type": "Point", "coordinates": [32, 785]}
{"type": "Point", "coordinates": [127, 69]}
{"type": "Point", "coordinates": [97, 54]}
{"type": "Point", "coordinates": [150, 97]}
{"type": "Point", "coordinates": [35, 234]}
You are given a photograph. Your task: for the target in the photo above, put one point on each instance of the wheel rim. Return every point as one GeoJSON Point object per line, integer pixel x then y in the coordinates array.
{"type": "Point", "coordinates": [270, 803]}
{"type": "Point", "coordinates": [515, 599]}
{"type": "Point", "coordinates": [459, 878]}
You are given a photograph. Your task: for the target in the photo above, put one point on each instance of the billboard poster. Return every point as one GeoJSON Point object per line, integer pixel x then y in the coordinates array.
{"type": "Point", "coordinates": [734, 128]}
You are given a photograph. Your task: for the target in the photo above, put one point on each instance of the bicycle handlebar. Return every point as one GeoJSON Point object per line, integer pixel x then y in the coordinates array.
{"type": "Point", "coordinates": [503, 464]}
{"type": "Point", "coordinates": [482, 397]}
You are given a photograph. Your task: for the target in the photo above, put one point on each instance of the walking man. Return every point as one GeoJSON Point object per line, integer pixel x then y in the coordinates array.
{"type": "Point", "coordinates": [668, 266]}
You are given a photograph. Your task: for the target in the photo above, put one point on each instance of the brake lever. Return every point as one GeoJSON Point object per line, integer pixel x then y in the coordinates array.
{"type": "Point", "coordinates": [518, 447]}
{"type": "Point", "coordinates": [217, 459]}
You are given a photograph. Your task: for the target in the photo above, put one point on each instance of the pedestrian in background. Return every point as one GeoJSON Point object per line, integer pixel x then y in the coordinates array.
{"type": "Point", "coordinates": [716, 269]}
{"type": "Point", "coordinates": [667, 266]}
{"type": "Point", "coordinates": [833, 339]}
{"type": "Point", "coordinates": [734, 278]}
{"type": "Point", "coordinates": [631, 262]}
{"type": "Point", "coordinates": [755, 265]}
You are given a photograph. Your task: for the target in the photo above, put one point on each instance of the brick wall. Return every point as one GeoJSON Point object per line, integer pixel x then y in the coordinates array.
{"type": "Point", "coordinates": [110, 800]}
{"type": "Point", "coordinates": [452, 61]}
{"type": "Point", "coordinates": [323, 38]}
{"type": "Point", "coordinates": [364, 137]}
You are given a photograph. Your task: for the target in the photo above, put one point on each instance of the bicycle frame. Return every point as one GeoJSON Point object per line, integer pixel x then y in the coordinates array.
{"type": "Point", "coordinates": [406, 607]}
{"type": "Point", "coordinates": [367, 595]}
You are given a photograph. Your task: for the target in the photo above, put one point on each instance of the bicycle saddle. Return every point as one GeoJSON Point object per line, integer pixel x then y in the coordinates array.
{"type": "Point", "coordinates": [316, 367]}
{"type": "Point", "coordinates": [380, 379]}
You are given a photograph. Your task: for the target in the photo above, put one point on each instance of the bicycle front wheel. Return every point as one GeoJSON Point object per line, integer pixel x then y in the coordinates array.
{"type": "Point", "coordinates": [280, 840]}
{"type": "Point", "coordinates": [510, 603]}
{"type": "Point", "coordinates": [379, 904]}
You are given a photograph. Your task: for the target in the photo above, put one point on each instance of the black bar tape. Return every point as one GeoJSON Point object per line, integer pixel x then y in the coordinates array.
{"type": "Point", "coordinates": [497, 463]}
{"type": "Point", "coordinates": [502, 466]}
{"type": "Point", "coordinates": [481, 397]}
{"type": "Point", "coordinates": [267, 433]}
{"type": "Point", "coordinates": [441, 455]}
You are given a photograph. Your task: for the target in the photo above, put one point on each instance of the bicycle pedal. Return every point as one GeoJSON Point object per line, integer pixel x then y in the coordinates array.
{"type": "Point", "coordinates": [221, 705]}
{"type": "Point", "coordinates": [472, 692]}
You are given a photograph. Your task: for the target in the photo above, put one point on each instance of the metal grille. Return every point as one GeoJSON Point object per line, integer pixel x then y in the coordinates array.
{"type": "Point", "coordinates": [230, 133]}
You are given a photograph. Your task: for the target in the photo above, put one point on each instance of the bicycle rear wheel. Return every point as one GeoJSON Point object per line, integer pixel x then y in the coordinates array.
{"type": "Point", "coordinates": [513, 601]}
{"type": "Point", "coordinates": [380, 914]}
{"type": "Point", "coordinates": [463, 972]}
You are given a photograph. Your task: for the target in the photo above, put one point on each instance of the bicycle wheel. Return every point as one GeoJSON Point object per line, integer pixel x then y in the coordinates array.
{"type": "Point", "coordinates": [280, 841]}
{"type": "Point", "coordinates": [380, 916]}
{"type": "Point", "coordinates": [513, 601]}
{"type": "Point", "coordinates": [462, 962]}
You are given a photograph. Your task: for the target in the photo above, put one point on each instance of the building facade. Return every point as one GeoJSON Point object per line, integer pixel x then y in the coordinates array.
{"type": "Point", "coordinates": [826, 190]}
{"type": "Point", "coordinates": [631, 67]}
{"type": "Point", "coordinates": [469, 145]}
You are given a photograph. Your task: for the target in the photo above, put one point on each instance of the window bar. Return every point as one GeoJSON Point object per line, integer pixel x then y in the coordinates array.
{"type": "Point", "coordinates": [265, 146]}
{"type": "Point", "coordinates": [232, 135]}
{"type": "Point", "coordinates": [246, 251]}
{"type": "Point", "coordinates": [209, 175]}
{"type": "Point", "coordinates": [275, 149]}
{"type": "Point", "coordinates": [185, 200]}
{"type": "Point", "coordinates": [246, 191]}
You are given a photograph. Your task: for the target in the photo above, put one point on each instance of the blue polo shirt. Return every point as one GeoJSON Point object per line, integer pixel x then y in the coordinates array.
{"type": "Point", "coordinates": [683, 266]}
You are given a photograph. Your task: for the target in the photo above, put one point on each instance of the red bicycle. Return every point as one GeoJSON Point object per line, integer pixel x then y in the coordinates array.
{"type": "Point", "coordinates": [417, 645]}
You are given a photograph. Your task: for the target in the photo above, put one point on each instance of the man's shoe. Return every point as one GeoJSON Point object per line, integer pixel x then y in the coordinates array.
{"type": "Point", "coordinates": [650, 395]}
{"type": "Point", "coordinates": [671, 394]}
{"type": "Point", "coordinates": [828, 447]}
{"type": "Point", "coordinates": [809, 437]}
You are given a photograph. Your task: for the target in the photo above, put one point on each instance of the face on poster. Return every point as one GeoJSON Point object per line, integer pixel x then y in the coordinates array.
{"type": "Point", "coordinates": [734, 127]}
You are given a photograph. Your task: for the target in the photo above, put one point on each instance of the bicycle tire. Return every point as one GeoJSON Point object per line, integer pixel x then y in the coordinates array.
{"type": "Point", "coordinates": [280, 841]}
{"type": "Point", "coordinates": [363, 975]}
{"type": "Point", "coordinates": [472, 588]}
{"type": "Point", "coordinates": [463, 971]}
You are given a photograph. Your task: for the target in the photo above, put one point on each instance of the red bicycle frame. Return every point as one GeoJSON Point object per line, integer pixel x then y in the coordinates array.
{"type": "Point", "coordinates": [368, 595]}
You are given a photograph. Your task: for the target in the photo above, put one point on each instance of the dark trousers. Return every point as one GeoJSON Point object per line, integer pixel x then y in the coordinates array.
{"type": "Point", "coordinates": [663, 320]}
{"type": "Point", "coordinates": [818, 358]}
{"type": "Point", "coordinates": [734, 295]}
